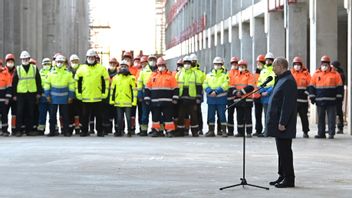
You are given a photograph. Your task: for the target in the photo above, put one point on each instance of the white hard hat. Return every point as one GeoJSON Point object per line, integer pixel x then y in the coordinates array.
{"type": "Point", "coordinates": [193, 57]}
{"type": "Point", "coordinates": [218, 60]}
{"type": "Point", "coordinates": [269, 55]}
{"type": "Point", "coordinates": [60, 58]}
{"type": "Point", "coordinates": [124, 62]}
{"type": "Point", "coordinates": [73, 57]}
{"type": "Point", "coordinates": [46, 60]}
{"type": "Point", "coordinates": [187, 59]}
{"type": "Point", "coordinates": [24, 55]}
{"type": "Point", "coordinates": [91, 52]}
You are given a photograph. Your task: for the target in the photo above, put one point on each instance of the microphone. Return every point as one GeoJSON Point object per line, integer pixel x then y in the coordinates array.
{"type": "Point", "coordinates": [269, 79]}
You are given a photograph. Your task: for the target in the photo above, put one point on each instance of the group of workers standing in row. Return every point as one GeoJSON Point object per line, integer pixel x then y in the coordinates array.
{"type": "Point", "coordinates": [90, 96]}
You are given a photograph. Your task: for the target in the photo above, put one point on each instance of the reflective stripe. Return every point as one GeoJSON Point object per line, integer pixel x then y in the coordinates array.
{"type": "Point", "coordinates": [326, 98]}
{"type": "Point", "coordinates": [311, 96]}
{"type": "Point", "coordinates": [249, 125]}
{"type": "Point", "coordinates": [230, 125]}
{"type": "Point", "coordinates": [194, 126]}
{"type": "Point", "coordinates": [146, 98]}
{"type": "Point", "coordinates": [240, 126]}
{"type": "Point", "coordinates": [59, 94]}
{"type": "Point", "coordinates": [3, 99]}
{"type": "Point", "coordinates": [339, 95]}
{"type": "Point", "coordinates": [326, 87]}
{"type": "Point", "coordinates": [301, 88]}
{"type": "Point", "coordinates": [162, 88]}
{"type": "Point", "coordinates": [162, 100]}
{"type": "Point", "coordinates": [302, 100]}
{"type": "Point", "coordinates": [180, 127]}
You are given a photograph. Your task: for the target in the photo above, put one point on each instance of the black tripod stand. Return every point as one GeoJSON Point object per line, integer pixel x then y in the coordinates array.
{"type": "Point", "coordinates": [243, 179]}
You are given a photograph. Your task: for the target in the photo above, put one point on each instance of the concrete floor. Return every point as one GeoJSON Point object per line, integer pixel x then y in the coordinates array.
{"type": "Point", "coordinates": [163, 167]}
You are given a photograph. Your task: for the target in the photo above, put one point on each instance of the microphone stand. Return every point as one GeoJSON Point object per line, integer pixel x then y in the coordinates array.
{"type": "Point", "coordinates": [243, 179]}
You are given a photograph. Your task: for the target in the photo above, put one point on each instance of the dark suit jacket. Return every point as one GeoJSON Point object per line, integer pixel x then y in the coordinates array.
{"type": "Point", "coordinates": [282, 107]}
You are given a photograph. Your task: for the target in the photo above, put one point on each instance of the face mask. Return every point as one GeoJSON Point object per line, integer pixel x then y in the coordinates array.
{"type": "Point", "coordinates": [187, 66]}
{"type": "Point", "coordinates": [59, 65]}
{"type": "Point", "coordinates": [124, 71]}
{"type": "Point", "coordinates": [259, 66]}
{"type": "Point", "coordinates": [90, 61]}
{"type": "Point", "coordinates": [152, 63]}
{"type": "Point", "coordinates": [46, 67]}
{"type": "Point", "coordinates": [136, 64]}
{"type": "Point", "coordinates": [161, 69]}
{"type": "Point", "coordinates": [234, 67]}
{"type": "Point", "coordinates": [324, 68]}
{"type": "Point", "coordinates": [297, 67]}
{"type": "Point", "coordinates": [112, 68]}
{"type": "Point", "coordinates": [217, 67]}
{"type": "Point", "coordinates": [25, 62]}
{"type": "Point", "coordinates": [241, 69]}
{"type": "Point", "coordinates": [10, 65]}
{"type": "Point", "coordinates": [74, 66]}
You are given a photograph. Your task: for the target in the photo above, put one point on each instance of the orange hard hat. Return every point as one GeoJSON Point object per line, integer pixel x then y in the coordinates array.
{"type": "Point", "coordinates": [234, 59]}
{"type": "Point", "coordinates": [242, 62]}
{"type": "Point", "coordinates": [9, 57]}
{"type": "Point", "coordinates": [127, 54]}
{"type": "Point", "coordinates": [160, 62]}
{"type": "Point", "coordinates": [297, 59]}
{"type": "Point", "coordinates": [261, 58]}
{"type": "Point", "coordinates": [113, 60]}
{"type": "Point", "coordinates": [144, 59]}
{"type": "Point", "coordinates": [325, 58]}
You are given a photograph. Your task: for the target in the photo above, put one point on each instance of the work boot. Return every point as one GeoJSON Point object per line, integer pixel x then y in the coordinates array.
{"type": "Point", "coordinates": [256, 133]}
{"type": "Point", "coordinates": [180, 132]}
{"type": "Point", "coordinates": [129, 133]}
{"type": "Point", "coordinates": [230, 131]}
{"type": "Point", "coordinates": [5, 134]}
{"type": "Point", "coordinates": [118, 134]}
{"type": "Point", "coordinates": [200, 132]}
{"type": "Point", "coordinates": [223, 131]}
{"type": "Point", "coordinates": [261, 135]}
{"type": "Point", "coordinates": [331, 137]}
{"type": "Point", "coordinates": [156, 133]}
{"type": "Point", "coordinates": [195, 133]}
{"type": "Point", "coordinates": [286, 183]}
{"type": "Point", "coordinates": [305, 135]}
{"type": "Point", "coordinates": [51, 134]}
{"type": "Point", "coordinates": [320, 137]}
{"type": "Point", "coordinates": [219, 131]}
{"type": "Point", "coordinates": [239, 135]}
{"type": "Point", "coordinates": [67, 134]}
{"type": "Point", "coordinates": [211, 132]}
{"type": "Point", "coordinates": [143, 133]}
{"type": "Point", "coordinates": [340, 131]}
{"type": "Point", "coordinates": [18, 134]}
{"type": "Point", "coordinates": [170, 134]}
{"type": "Point", "coordinates": [84, 134]}
{"type": "Point", "coordinates": [40, 132]}
{"type": "Point", "coordinates": [249, 135]}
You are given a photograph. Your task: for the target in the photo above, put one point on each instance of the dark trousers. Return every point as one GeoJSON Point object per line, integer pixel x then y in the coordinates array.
{"type": "Point", "coordinates": [339, 114]}
{"type": "Point", "coordinates": [230, 117]}
{"type": "Point", "coordinates": [92, 109]}
{"type": "Point", "coordinates": [109, 117]}
{"type": "Point", "coordinates": [74, 115]}
{"type": "Point", "coordinates": [331, 111]}
{"type": "Point", "coordinates": [133, 117]}
{"type": "Point", "coordinates": [25, 111]}
{"type": "Point", "coordinates": [265, 107]}
{"type": "Point", "coordinates": [185, 110]}
{"type": "Point", "coordinates": [244, 119]}
{"type": "Point", "coordinates": [120, 113]}
{"type": "Point", "coordinates": [163, 114]}
{"type": "Point", "coordinates": [12, 105]}
{"type": "Point", "coordinates": [63, 109]}
{"type": "Point", "coordinates": [258, 108]}
{"type": "Point", "coordinates": [285, 158]}
{"type": "Point", "coordinates": [140, 112]}
{"type": "Point", "coordinates": [302, 110]}
{"type": "Point", "coordinates": [200, 116]}
{"type": "Point", "coordinates": [4, 118]}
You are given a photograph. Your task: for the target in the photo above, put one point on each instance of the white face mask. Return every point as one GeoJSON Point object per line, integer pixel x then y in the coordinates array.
{"type": "Point", "coordinates": [25, 62]}
{"type": "Point", "coordinates": [241, 69]}
{"type": "Point", "coordinates": [59, 65]}
{"type": "Point", "coordinates": [74, 65]}
{"type": "Point", "coordinates": [136, 64]}
{"type": "Point", "coordinates": [10, 65]}
{"type": "Point", "coordinates": [234, 67]}
{"type": "Point", "coordinates": [152, 63]}
{"type": "Point", "coordinates": [217, 67]}
{"type": "Point", "coordinates": [90, 61]}
{"type": "Point", "coordinates": [46, 67]}
{"type": "Point", "coordinates": [297, 67]}
{"type": "Point", "coordinates": [187, 66]}
{"type": "Point", "coordinates": [324, 68]}
{"type": "Point", "coordinates": [112, 68]}
{"type": "Point", "coordinates": [161, 69]}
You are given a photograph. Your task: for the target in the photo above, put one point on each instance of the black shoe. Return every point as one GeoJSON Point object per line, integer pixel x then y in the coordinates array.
{"type": "Point", "coordinates": [68, 134]}
{"type": "Point", "coordinates": [84, 134]}
{"type": "Point", "coordinates": [210, 134]}
{"type": "Point", "coordinates": [256, 134]}
{"type": "Point", "coordinates": [331, 137]}
{"type": "Point", "coordinates": [261, 135]}
{"type": "Point", "coordinates": [230, 133]}
{"type": "Point", "coordinates": [170, 134]}
{"type": "Point", "coordinates": [6, 134]}
{"type": "Point", "coordinates": [239, 135]}
{"type": "Point", "coordinates": [129, 134]}
{"type": "Point", "coordinates": [340, 131]}
{"type": "Point", "coordinates": [195, 134]}
{"type": "Point", "coordinates": [32, 133]}
{"type": "Point", "coordinates": [51, 134]}
{"type": "Point", "coordinates": [280, 179]}
{"type": "Point", "coordinates": [305, 135]}
{"type": "Point", "coordinates": [100, 134]}
{"type": "Point", "coordinates": [285, 184]}
{"type": "Point", "coordinates": [40, 133]}
{"type": "Point", "coordinates": [118, 134]}
{"type": "Point", "coordinates": [249, 135]}
{"type": "Point", "coordinates": [156, 134]}
{"type": "Point", "coordinates": [319, 137]}
{"type": "Point", "coordinates": [143, 133]}
{"type": "Point", "coordinates": [200, 132]}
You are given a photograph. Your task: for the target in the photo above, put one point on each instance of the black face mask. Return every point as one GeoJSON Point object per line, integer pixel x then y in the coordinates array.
{"type": "Point", "coordinates": [124, 71]}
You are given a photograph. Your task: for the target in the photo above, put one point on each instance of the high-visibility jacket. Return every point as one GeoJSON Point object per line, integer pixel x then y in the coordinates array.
{"type": "Point", "coordinates": [189, 84]}
{"type": "Point", "coordinates": [256, 77]}
{"type": "Point", "coordinates": [302, 78]}
{"type": "Point", "coordinates": [264, 74]}
{"type": "Point", "coordinates": [217, 81]}
{"type": "Point", "coordinates": [92, 83]}
{"type": "Point", "coordinates": [242, 80]}
{"type": "Point", "coordinates": [134, 70]}
{"type": "Point", "coordinates": [5, 84]}
{"type": "Point", "coordinates": [232, 77]}
{"type": "Point", "coordinates": [26, 80]}
{"type": "Point", "coordinates": [161, 89]}
{"type": "Point", "coordinates": [143, 78]}
{"type": "Point", "coordinates": [123, 92]}
{"type": "Point", "coordinates": [44, 75]}
{"type": "Point", "coordinates": [59, 85]}
{"type": "Point", "coordinates": [326, 87]}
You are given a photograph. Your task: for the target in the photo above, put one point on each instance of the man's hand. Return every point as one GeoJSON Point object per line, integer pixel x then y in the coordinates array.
{"type": "Point", "coordinates": [282, 127]}
{"type": "Point", "coordinates": [264, 93]}
{"type": "Point", "coordinates": [213, 94]}
{"type": "Point", "coordinates": [70, 101]}
{"type": "Point", "coordinates": [48, 99]}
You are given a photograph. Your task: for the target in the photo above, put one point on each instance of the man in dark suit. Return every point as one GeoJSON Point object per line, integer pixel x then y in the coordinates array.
{"type": "Point", "coordinates": [281, 122]}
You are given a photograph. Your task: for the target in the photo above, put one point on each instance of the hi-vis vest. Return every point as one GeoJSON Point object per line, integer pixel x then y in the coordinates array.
{"type": "Point", "coordinates": [26, 80]}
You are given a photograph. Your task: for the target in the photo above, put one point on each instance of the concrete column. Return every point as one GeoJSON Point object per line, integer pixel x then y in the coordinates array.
{"type": "Point", "coordinates": [349, 74]}
{"type": "Point", "coordinates": [276, 34]}
{"type": "Point", "coordinates": [246, 44]}
{"type": "Point", "coordinates": [323, 31]}
{"type": "Point", "coordinates": [2, 21]}
{"type": "Point", "coordinates": [259, 42]}
{"type": "Point", "coordinates": [236, 43]}
{"type": "Point", "coordinates": [296, 34]}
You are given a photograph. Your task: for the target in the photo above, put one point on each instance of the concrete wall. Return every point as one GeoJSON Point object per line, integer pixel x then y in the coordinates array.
{"type": "Point", "coordinates": [44, 27]}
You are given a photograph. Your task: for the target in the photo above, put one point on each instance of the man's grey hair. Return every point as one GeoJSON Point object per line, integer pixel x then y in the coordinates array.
{"type": "Point", "coordinates": [281, 61]}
